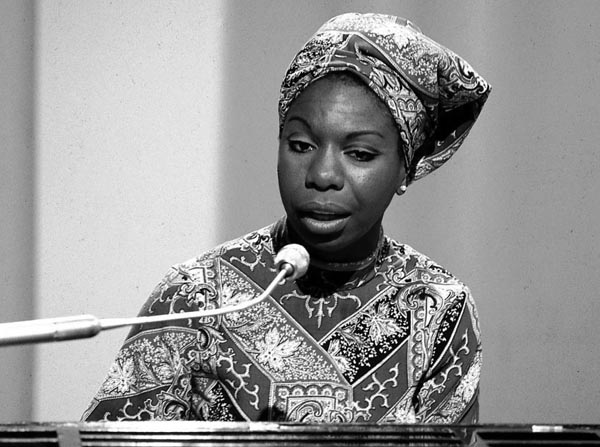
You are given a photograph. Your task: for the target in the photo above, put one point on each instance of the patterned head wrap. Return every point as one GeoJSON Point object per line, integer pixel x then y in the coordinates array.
{"type": "Point", "coordinates": [433, 94]}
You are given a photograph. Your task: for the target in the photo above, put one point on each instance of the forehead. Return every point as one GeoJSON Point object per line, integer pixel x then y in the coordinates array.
{"type": "Point", "coordinates": [341, 101]}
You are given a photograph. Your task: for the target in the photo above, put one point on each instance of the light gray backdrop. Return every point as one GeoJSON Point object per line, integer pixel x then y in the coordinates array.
{"type": "Point", "coordinates": [136, 134]}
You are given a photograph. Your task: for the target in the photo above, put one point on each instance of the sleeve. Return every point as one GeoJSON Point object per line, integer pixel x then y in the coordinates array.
{"type": "Point", "coordinates": [163, 369]}
{"type": "Point", "coordinates": [449, 389]}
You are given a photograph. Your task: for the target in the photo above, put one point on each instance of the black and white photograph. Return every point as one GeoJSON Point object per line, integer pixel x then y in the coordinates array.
{"type": "Point", "coordinates": [279, 222]}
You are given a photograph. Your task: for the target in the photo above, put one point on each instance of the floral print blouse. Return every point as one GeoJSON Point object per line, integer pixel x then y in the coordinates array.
{"type": "Point", "coordinates": [394, 341]}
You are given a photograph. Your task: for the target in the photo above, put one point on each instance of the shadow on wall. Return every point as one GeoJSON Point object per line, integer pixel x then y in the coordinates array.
{"type": "Point", "coordinates": [17, 216]}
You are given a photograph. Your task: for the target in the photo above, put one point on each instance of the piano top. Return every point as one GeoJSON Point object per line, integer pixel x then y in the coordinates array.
{"type": "Point", "coordinates": [267, 434]}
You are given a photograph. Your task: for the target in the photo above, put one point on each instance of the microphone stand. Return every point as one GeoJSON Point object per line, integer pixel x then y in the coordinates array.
{"type": "Point", "coordinates": [86, 326]}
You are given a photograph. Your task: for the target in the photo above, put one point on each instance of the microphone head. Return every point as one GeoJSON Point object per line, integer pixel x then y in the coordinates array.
{"type": "Point", "coordinates": [296, 257]}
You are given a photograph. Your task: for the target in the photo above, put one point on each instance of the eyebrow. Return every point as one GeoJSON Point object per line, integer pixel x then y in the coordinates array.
{"type": "Point", "coordinates": [359, 133]}
{"type": "Point", "coordinates": [298, 118]}
{"type": "Point", "coordinates": [350, 136]}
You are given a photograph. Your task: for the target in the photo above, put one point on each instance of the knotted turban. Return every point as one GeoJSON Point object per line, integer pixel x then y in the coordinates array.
{"type": "Point", "coordinates": [432, 93]}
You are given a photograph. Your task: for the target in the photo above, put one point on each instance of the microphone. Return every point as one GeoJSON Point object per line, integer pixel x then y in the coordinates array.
{"type": "Point", "coordinates": [294, 259]}
{"type": "Point", "coordinates": [291, 263]}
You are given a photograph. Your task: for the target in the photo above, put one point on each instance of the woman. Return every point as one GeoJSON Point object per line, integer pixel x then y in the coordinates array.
{"type": "Point", "coordinates": [375, 331]}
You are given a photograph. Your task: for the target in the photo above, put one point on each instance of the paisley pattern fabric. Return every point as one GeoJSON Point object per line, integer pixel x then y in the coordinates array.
{"type": "Point", "coordinates": [433, 94]}
{"type": "Point", "coordinates": [395, 342]}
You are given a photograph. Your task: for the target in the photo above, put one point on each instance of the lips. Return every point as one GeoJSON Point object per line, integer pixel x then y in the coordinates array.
{"type": "Point", "coordinates": [323, 218]}
{"type": "Point", "coordinates": [323, 211]}
{"type": "Point", "coordinates": [325, 208]}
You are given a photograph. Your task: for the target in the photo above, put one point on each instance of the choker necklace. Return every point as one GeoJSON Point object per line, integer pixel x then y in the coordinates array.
{"type": "Point", "coordinates": [339, 276]}
{"type": "Point", "coordinates": [370, 261]}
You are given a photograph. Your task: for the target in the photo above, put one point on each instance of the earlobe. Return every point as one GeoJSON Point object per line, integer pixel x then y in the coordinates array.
{"type": "Point", "coordinates": [401, 189]}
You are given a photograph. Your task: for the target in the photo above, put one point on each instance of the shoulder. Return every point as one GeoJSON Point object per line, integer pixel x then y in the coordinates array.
{"type": "Point", "coordinates": [200, 276]}
{"type": "Point", "coordinates": [423, 281]}
{"type": "Point", "coordinates": [255, 242]}
{"type": "Point", "coordinates": [414, 266]}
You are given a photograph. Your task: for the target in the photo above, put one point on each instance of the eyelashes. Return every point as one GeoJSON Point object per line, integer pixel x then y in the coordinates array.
{"type": "Point", "coordinates": [358, 154]}
{"type": "Point", "coordinates": [361, 155]}
{"type": "Point", "coordinates": [300, 146]}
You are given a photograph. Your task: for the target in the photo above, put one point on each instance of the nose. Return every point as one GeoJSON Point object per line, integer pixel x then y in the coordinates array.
{"type": "Point", "coordinates": [325, 170]}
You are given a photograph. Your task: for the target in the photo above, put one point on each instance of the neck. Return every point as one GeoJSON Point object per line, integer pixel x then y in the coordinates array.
{"type": "Point", "coordinates": [349, 260]}
{"type": "Point", "coordinates": [353, 265]}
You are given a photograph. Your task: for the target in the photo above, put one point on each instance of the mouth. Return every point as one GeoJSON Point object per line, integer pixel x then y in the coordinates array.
{"type": "Point", "coordinates": [321, 216]}
{"type": "Point", "coordinates": [323, 219]}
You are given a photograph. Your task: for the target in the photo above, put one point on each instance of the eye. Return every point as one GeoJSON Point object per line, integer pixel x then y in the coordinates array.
{"type": "Point", "coordinates": [300, 146]}
{"type": "Point", "coordinates": [361, 155]}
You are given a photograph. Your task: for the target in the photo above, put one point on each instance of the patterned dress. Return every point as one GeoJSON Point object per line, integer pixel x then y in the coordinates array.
{"type": "Point", "coordinates": [395, 341]}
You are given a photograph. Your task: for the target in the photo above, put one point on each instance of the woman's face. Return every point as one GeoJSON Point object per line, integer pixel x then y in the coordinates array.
{"type": "Point", "coordinates": [339, 167]}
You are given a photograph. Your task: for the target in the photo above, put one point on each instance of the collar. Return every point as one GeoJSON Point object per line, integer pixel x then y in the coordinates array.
{"type": "Point", "coordinates": [335, 276]}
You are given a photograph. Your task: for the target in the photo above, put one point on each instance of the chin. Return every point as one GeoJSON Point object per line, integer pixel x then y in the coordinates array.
{"type": "Point", "coordinates": [322, 243]}
{"type": "Point", "coordinates": [332, 247]}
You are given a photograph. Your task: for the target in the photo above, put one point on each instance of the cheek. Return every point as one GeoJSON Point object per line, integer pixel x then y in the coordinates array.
{"type": "Point", "coordinates": [375, 182]}
{"type": "Point", "coordinates": [375, 189]}
{"type": "Point", "coordinates": [287, 175]}
{"type": "Point", "coordinates": [281, 164]}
